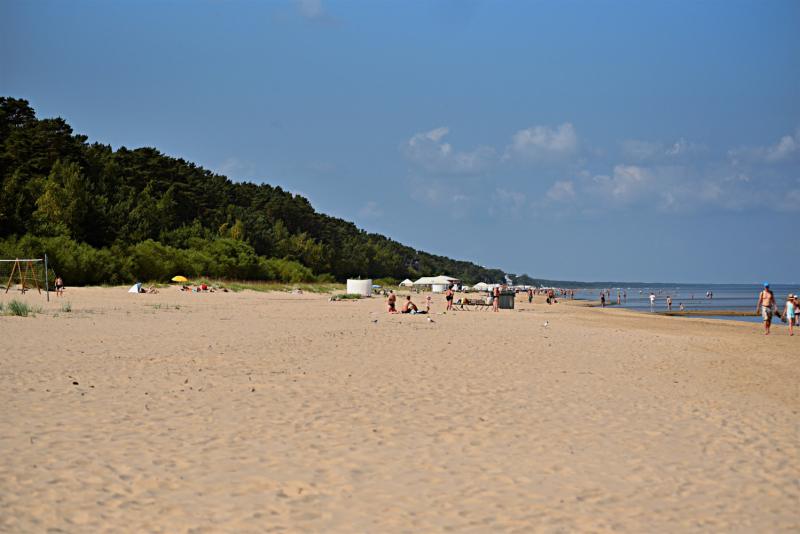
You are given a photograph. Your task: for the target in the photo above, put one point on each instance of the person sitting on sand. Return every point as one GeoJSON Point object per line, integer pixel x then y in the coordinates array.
{"type": "Point", "coordinates": [408, 306]}
{"type": "Point", "coordinates": [391, 302]}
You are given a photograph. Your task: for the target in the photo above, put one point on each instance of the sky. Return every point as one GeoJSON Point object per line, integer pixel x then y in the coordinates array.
{"type": "Point", "coordinates": [594, 141]}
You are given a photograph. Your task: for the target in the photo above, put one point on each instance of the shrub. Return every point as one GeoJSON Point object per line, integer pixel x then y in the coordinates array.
{"type": "Point", "coordinates": [18, 308]}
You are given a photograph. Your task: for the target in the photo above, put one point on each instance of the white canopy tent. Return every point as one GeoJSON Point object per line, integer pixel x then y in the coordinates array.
{"type": "Point", "coordinates": [406, 283]}
{"type": "Point", "coordinates": [430, 280]}
{"type": "Point", "coordinates": [481, 286]}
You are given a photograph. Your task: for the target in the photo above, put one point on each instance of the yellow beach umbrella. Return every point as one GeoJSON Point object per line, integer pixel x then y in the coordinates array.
{"type": "Point", "coordinates": [180, 279]}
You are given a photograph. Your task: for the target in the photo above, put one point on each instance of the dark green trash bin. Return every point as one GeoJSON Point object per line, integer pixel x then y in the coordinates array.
{"type": "Point", "coordinates": [506, 300]}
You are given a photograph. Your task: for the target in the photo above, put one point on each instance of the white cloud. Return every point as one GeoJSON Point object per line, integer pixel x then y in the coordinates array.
{"type": "Point", "coordinates": [542, 145]}
{"type": "Point", "coordinates": [562, 191]}
{"type": "Point", "coordinates": [507, 203]}
{"type": "Point", "coordinates": [313, 10]}
{"type": "Point", "coordinates": [236, 168]}
{"type": "Point", "coordinates": [685, 147]}
{"type": "Point", "coordinates": [641, 151]}
{"type": "Point", "coordinates": [371, 210]}
{"type": "Point", "coordinates": [785, 151]}
{"type": "Point", "coordinates": [429, 152]}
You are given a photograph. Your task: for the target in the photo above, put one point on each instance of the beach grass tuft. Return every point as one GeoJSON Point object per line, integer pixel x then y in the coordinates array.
{"type": "Point", "coordinates": [21, 309]}
{"type": "Point", "coordinates": [67, 307]}
{"type": "Point", "coordinates": [348, 296]}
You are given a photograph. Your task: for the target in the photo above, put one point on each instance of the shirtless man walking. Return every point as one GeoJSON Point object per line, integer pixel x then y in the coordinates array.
{"type": "Point", "coordinates": [766, 301]}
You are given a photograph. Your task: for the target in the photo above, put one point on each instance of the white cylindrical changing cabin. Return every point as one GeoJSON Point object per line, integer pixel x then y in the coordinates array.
{"type": "Point", "coordinates": [359, 287]}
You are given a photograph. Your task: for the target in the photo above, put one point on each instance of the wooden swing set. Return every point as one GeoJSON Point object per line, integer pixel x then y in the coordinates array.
{"type": "Point", "coordinates": [23, 278]}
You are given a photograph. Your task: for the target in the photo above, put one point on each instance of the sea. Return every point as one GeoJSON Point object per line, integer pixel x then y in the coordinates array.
{"type": "Point", "coordinates": [733, 297]}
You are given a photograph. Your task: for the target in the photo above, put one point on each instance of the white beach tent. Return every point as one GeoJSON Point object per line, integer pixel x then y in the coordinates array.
{"type": "Point", "coordinates": [430, 280]}
{"type": "Point", "coordinates": [481, 286]}
{"type": "Point", "coordinates": [135, 288]}
{"type": "Point", "coordinates": [406, 283]}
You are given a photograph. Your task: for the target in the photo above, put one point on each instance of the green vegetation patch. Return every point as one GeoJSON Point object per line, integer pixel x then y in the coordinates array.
{"type": "Point", "coordinates": [106, 216]}
{"type": "Point", "coordinates": [347, 296]}
{"type": "Point", "coordinates": [21, 309]}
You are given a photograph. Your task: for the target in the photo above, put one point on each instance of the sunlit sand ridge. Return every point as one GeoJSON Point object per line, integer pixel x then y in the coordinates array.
{"type": "Point", "coordinates": [248, 412]}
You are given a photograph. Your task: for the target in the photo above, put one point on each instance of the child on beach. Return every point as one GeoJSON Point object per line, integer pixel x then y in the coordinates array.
{"type": "Point", "coordinates": [789, 313]}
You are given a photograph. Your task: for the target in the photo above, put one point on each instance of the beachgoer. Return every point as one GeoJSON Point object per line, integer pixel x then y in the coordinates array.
{"type": "Point", "coordinates": [530, 295]}
{"type": "Point", "coordinates": [669, 303]}
{"type": "Point", "coordinates": [448, 296]}
{"type": "Point", "coordinates": [391, 302]}
{"type": "Point", "coordinates": [427, 305]}
{"type": "Point", "coordinates": [408, 306]}
{"type": "Point", "coordinates": [624, 296]}
{"type": "Point", "coordinates": [766, 301]}
{"type": "Point", "coordinates": [496, 301]}
{"type": "Point", "coordinates": [681, 304]}
{"type": "Point", "coordinates": [59, 287]}
{"type": "Point", "coordinates": [603, 300]}
{"type": "Point", "coordinates": [790, 312]}
{"type": "Point", "coordinates": [796, 308]}
{"type": "Point", "coordinates": [692, 294]}
{"type": "Point", "coordinates": [618, 299]}
{"type": "Point", "coordinates": [652, 299]}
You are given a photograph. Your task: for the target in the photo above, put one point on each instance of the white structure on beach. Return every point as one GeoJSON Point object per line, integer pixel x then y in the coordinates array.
{"type": "Point", "coordinates": [430, 280]}
{"type": "Point", "coordinates": [406, 283]}
{"type": "Point", "coordinates": [359, 287]}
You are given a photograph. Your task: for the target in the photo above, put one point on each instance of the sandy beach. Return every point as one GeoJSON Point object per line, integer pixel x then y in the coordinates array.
{"type": "Point", "coordinates": [260, 412]}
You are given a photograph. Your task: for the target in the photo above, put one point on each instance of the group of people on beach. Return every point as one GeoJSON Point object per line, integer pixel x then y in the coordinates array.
{"type": "Point", "coordinates": [769, 307]}
{"type": "Point", "coordinates": [407, 306]}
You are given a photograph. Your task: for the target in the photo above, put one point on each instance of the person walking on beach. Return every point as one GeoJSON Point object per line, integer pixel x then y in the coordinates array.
{"type": "Point", "coordinates": [766, 301]}
{"type": "Point", "coordinates": [496, 300]}
{"type": "Point", "coordinates": [602, 300]}
{"type": "Point", "coordinates": [448, 296]}
{"type": "Point", "coordinates": [796, 308]}
{"type": "Point", "coordinates": [789, 313]}
{"type": "Point", "coordinates": [530, 295]}
{"type": "Point", "coordinates": [652, 299]}
{"type": "Point", "coordinates": [59, 287]}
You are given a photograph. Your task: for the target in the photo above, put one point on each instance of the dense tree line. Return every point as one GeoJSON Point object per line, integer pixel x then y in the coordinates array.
{"type": "Point", "coordinates": [121, 215]}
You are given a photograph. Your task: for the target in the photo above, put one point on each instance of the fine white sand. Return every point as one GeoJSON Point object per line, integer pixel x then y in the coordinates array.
{"type": "Point", "coordinates": [254, 412]}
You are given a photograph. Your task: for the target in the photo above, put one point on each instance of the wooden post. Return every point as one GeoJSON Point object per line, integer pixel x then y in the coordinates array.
{"type": "Point", "coordinates": [33, 272]}
{"type": "Point", "coordinates": [13, 268]}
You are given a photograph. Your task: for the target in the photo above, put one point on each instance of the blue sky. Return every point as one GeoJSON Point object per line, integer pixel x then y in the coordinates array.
{"type": "Point", "coordinates": [635, 141]}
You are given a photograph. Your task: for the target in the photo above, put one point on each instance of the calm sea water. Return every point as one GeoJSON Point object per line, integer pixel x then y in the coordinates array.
{"type": "Point", "coordinates": [726, 297]}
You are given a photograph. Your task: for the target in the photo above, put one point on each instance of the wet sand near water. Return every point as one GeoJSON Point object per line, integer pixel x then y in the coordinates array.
{"type": "Point", "coordinates": [254, 412]}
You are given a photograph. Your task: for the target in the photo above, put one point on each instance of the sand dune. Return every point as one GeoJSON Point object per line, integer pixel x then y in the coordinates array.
{"type": "Point", "coordinates": [255, 412]}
